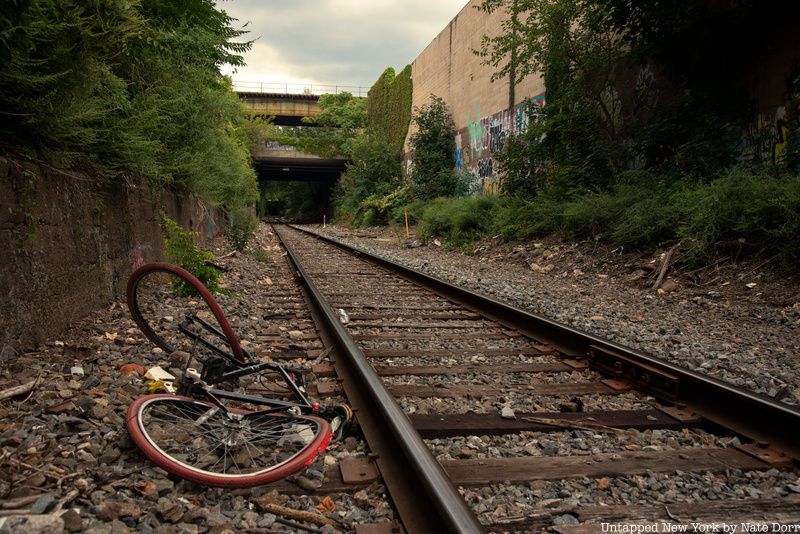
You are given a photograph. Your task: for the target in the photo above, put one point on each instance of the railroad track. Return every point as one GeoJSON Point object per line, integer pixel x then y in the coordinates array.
{"type": "Point", "coordinates": [465, 401]}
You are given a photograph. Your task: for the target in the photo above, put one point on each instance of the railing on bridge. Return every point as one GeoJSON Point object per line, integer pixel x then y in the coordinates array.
{"type": "Point", "coordinates": [297, 88]}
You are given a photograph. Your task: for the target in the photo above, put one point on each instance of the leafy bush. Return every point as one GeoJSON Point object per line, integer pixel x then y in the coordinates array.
{"type": "Point", "coordinates": [179, 246]}
{"type": "Point", "coordinates": [647, 216]}
{"type": "Point", "coordinates": [374, 171]}
{"type": "Point", "coordinates": [640, 212]}
{"type": "Point", "coordinates": [433, 147]}
{"type": "Point", "coordinates": [414, 210]}
{"type": "Point", "coordinates": [376, 210]}
{"type": "Point", "coordinates": [756, 208]}
{"type": "Point", "coordinates": [459, 220]}
{"type": "Point", "coordinates": [588, 216]}
{"type": "Point", "coordinates": [241, 225]}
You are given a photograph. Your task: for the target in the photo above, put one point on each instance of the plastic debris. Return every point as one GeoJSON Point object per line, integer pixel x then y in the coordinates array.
{"type": "Point", "coordinates": [157, 373]}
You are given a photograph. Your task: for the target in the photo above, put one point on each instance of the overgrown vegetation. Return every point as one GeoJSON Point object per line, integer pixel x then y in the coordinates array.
{"type": "Point", "coordinates": [127, 89]}
{"type": "Point", "coordinates": [373, 187]}
{"type": "Point", "coordinates": [641, 143]}
{"type": "Point", "coordinates": [179, 246]}
{"type": "Point", "coordinates": [737, 212]}
{"type": "Point", "coordinates": [373, 173]}
{"type": "Point", "coordinates": [241, 224]}
{"type": "Point", "coordinates": [389, 105]}
{"type": "Point", "coordinates": [432, 149]}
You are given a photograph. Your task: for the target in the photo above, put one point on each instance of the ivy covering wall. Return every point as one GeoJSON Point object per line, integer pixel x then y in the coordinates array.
{"type": "Point", "coordinates": [389, 105]}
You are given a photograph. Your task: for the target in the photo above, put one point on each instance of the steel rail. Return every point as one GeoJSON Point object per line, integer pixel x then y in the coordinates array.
{"type": "Point", "coordinates": [425, 498]}
{"type": "Point", "coordinates": [772, 424]}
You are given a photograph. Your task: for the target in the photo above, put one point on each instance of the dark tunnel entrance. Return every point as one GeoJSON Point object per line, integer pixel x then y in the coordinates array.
{"type": "Point", "coordinates": [297, 188]}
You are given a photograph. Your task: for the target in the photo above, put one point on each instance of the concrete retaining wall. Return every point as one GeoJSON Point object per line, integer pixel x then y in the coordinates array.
{"type": "Point", "coordinates": [69, 244]}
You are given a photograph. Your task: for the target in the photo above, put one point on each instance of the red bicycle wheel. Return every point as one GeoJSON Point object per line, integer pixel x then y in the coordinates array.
{"type": "Point", "coordinates": [163, 297]}
{"type": "Point", "coordinates": [207, 445]}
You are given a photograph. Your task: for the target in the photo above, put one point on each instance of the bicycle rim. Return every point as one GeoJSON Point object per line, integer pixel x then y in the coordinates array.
{"type": "Point", "coordinates": [162, 298]}
{"type": "Point", "coordinates": [203, 444]}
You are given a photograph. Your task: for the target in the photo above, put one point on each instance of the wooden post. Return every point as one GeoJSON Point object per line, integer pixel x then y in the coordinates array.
{"type": "Point", "coordinates": [405, 212]}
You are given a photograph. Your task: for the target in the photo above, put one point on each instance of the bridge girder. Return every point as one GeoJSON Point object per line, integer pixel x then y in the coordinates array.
{"type": "Point", "coordinates": [298, 169]}
{"type": "Point", "coordinates": [287, 110]}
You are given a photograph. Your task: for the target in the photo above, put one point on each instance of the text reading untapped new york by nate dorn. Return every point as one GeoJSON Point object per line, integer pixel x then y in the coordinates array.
{"type": "Point", "coordinates": [700, 527]}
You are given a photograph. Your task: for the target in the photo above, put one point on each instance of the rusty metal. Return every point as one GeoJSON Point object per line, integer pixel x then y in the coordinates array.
{"type": "Point", "coordinates": [425, 498]}
{"type": "Point", "coordinates": [765, 453]}
{"type": "Point", "coordinates": [644, 377]}
{"type": "Point", "coordinates": [682, 414]}
{"type": "Point", "coordinates": [732, 407]}
{"type": "Point", "coordinates": [358, 471]}
{"type": "Point", "coordinates": [379, 528]}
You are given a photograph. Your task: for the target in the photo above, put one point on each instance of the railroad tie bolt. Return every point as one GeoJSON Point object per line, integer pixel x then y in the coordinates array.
{"type": "Point", "coordinates": [645, 378]}
{"type": "Point", "coordinates": [680, 405]}
{"type": "Point", "coordinates": [591, 355]}
{"type": "Point", "coordinates": [763, 444]}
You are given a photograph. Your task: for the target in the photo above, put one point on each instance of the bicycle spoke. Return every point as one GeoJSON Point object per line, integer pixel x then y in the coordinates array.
{"type": "Point", "coordinates": [247, 448]}
{"type": "Point", "coordinates": [210, 440]}
{"type": "Point", "coordinates": [205, 438]}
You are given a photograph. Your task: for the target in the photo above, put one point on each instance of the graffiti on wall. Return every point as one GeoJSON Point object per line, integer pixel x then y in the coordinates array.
{"type": "Point", "coordinates": [770, 139]}
{"type": "Point", "coordinates": [483, 137]}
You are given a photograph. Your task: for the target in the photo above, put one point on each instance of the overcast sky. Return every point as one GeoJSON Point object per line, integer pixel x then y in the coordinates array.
{"type": "Point", "coordinates": [339, 42]}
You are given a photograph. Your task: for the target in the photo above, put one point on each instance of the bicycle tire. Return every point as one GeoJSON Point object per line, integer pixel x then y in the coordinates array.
{"type": "Point", "coordinates": [133, 305]}
{"type": "Point", "coordinates": [144, 421]}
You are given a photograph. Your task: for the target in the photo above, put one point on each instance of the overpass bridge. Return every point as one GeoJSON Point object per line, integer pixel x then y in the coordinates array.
{"type": "Point", "coordinates": [276, 162]}
{"type": "Point", "coordinates": [288, 103]}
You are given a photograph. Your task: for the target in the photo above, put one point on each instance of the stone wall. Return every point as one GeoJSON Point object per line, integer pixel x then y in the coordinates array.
{"type": "Point", "coordinates": [69, 244]}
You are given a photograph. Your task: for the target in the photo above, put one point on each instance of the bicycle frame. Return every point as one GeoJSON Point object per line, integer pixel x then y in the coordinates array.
{"type": "Point", "coordinates": [304, 404]}
{"type": "Point", "coordinates": [286, 373]}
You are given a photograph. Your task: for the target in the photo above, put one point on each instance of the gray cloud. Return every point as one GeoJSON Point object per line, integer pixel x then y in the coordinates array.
{"type": "Point", "coordinates": [345, 42]}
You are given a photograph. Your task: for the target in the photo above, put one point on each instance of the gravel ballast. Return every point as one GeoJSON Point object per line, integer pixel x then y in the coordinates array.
{"type": "Point", "coordinates": [67, 440]}
{"type": "Point", "coordinates": [743, 327]}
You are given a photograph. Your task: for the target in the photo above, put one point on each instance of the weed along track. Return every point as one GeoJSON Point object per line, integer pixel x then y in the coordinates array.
{"type": "Point", "coordinates": [483, 417]}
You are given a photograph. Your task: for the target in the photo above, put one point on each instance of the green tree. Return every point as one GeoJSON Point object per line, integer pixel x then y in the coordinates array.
{"type": "Point", "coordinates": [340, 119]}
{"type": "Point", "coordinates": [129, 89]}
{"type": "Point", "coordinates": [575, 141]}
{"type": "Point", "coordinates": [374, 170]}
{"type": "Point", "coordinates": [432, 151]}
{"type": "Point", "coordinates": [340, 110]}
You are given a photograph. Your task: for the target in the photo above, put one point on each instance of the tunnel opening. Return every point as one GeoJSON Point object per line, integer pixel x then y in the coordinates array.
{"type": "Point", "coordinates": [298, 189]}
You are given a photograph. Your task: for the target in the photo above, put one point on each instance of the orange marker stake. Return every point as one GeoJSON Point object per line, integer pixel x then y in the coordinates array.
{"type": "Point", "coordinates": [405, 211]}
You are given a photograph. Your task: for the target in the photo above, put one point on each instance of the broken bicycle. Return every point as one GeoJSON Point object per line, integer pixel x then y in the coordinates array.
{"type": "Point", "coordinates": [211, 436]}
